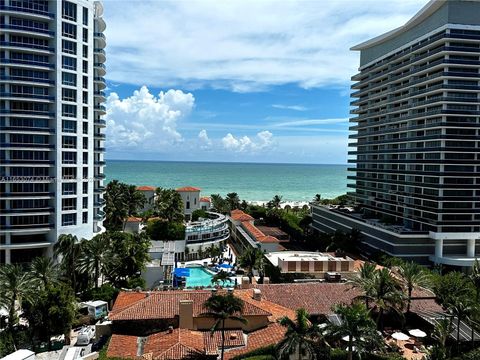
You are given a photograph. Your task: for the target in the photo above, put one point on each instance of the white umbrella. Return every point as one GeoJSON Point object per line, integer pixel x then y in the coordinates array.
{"type": "Point", "coordinates": [400, 336]}
{"type": "Point", "coordinates": [347, 338]}
{"type": "Point", "coordinates": [417, 333]}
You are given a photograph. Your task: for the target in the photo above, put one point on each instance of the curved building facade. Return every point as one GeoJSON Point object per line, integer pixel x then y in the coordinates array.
{"type": "Point", "coordinates": [52, 63]}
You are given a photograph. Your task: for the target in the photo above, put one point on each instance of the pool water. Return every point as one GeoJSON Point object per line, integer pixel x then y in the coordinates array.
{"type": "Point", "coordinates": [199, 277]}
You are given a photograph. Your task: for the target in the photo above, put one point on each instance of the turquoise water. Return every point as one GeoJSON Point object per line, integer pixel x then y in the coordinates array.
{"type": "Point", "coordinates": [198, 277]}
{"type": "Point", "coordinates": [252, 182]}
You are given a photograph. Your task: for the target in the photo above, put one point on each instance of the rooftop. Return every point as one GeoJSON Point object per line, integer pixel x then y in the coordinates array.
{"type": "Point", "coordinates": [188, 189]}
{"type": "Point", "coordinates": [274, 257]}
{"type": "Point", "coordinates": [205, 199]}
{"type": "Point", "coordinates": [239, 215]}
{"type": "Point", "coordinates": [146, 188]}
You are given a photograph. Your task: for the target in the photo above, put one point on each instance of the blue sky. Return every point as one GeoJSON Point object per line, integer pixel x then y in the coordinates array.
{"type": "Point", "coordinates": [255, 81]}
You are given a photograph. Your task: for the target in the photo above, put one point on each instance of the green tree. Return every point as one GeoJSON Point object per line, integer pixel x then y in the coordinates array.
{"type": "Point", "coordinates": [475, 280]}
{"type": "Point", "coordinates": [317, 198]}
{"type": "Point", "coordinates": [301, 337]}
{"type": "Point", "coordinates": [93, 256]}
{"type": "Point", "coordinates": [51, 312]}
{"type": "Point", "coordinates": [413, 275]}
{"type": "Point", "coordinates": [116, 206]}
{"type": "Point", "coordinates": [233, 201]}
{"type": "Point", "coordinates": [219, 203]}
{"type": "Point", "coordinates": [68, 248]}
{"type": "Point", "coordinates": [441, 332]}
{"type": "Point", "coordinates": [199, 213]}
{"type": "Point", "coordinates": [45, 272]}
{"type": "Point", "coordinates": [386, 294]}
{"type": "Point", "coordinates": [135, 200]}
{"type": "Point", "coordinates": [451, 286]}
{"type": "Point", "coordinates": [168, 205]}
{"type": "Point", "coordinates": [365, 281]}
{"type": "Point", "coordinates": [276, 201]}
{"type": "Point", "coordinates": [16, 285]}
{"type": "Point", "coordinates": [357, 325]}
{"type": "Point", "coordinates": [251, 259]}
{"type": "Point", "coordinates": [221, 276]}
{"type": "Point", "coordinates": [460, 309]}
{"type": "Point", "coordinates": [223, 308]}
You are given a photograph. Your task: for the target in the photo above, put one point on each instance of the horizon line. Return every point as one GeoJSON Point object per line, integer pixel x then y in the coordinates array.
{"type": "Point", "coordinates": [225, 162]}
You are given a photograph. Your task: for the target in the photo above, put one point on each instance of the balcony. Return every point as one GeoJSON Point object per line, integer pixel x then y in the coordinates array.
{"type": "Point", "coordinates": [100, 108]}
{"type": "Point", "coordinates": [100, 54]}
{"type": "Point", "coordinates": [99, 190]}
{"type": "Point", "coordinates": [27, 10]}
{"type": "Point", "coordinates": [100, 163]}
{"type": "Point", "coordinates": [21, 129]}
{"type": "Point", "coordinates": [99, 136]}
{"type": "Point", "coordinates": [26, 46]}
{"type": "Point", "coordinates": [27, 62]}
{"type": "Point", "coordinates": [100, 122]}
{"type": "Point", "coordinates": [24, 145]}
{"type": "Point", "coordinates": [20, 28]}
{"type": "Point", "coordinates": [26, 79]}
{"type": "Point", "coordinates": [27, 96]}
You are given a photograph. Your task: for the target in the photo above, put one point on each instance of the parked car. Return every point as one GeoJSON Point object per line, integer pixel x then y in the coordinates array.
{"type": "Point", "coordinates": [86, 335]}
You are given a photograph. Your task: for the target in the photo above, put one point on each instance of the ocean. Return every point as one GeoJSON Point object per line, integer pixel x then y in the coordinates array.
{"type": "Point", "coordinates": [252, 181]}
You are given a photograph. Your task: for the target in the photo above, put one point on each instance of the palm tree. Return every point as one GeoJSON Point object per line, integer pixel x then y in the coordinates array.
{"type": "Point", "coordinates": [169, 205]}
{"type": "Point", "coordinates": [357, 325]}
{"type": "Point", "coordinates": [461, 310]}
{"type": "Point", "coordinates": [412, 275]}
{"type": "Point", "coordinates": [93, 256]}
{"type": "Point", "coordinates": [475, 279]}
{"type": "Point", "coordinates": [386, 293]}
{"type": "Point", "coordinates": [301, 336]}
{"type": "Point", "coordinates": [441, 332]}
{"type": "Point", "coordinates": [221, 276]}
{"type": "Point", "coordinates": [251, 259]}
{"type": "Point", "coordinates": [276, 201]}
{"type": "Point", "coordinates": [16, 285]}
{"type": "Point", "coordinates": [116, 208]}
{"type": "Point", "coordinates": [44, 271]}
{"type": "Point", "coordinates": [134, 199]}
{"type": "Point", "coordinates": [233, 201]}
{"type": "Point", "coordinates": [364, 282]}
{"type": "Point", "coordinates": [223, 308]}
{"type": "Point", "coordinates": [219, 203]}
{"type": "Point", "coordinates": [68, 248]}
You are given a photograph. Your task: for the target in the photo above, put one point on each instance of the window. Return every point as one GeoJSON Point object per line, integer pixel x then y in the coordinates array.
{"type": "Point", "coordinates": [85, 16]}
{"type": "Point", "coordinates": [69, 157]}
{"type": "Point", "coordinates": [69, 10]}
{"type": "Point", "coordinates": [85, 112]}
{"type": "Point", "coordinates": [85, 158]}
{"type": "Point", "coordinates": [69, 94]}
{"type": "Point", "coordinates": [85, 217]}
{"type": "Point", "coordinates": [85, 82]}
{"type": "Point", "coordinates": [85, 188]}
{"type": "Point", "coordinates": [85, 35]}
{"type": "Point", "coordinates": [69, 126]}
{"type": "Point", "coordinates": [69, 188]}
{"type": "Point", "coordinates": [85, 128]}
{"type": "Point", "coordinates": [69, 110]}
{"type": "Point", "coordinates": [69, 63]}
{"type": "Point", "coordinates": [69, 173]}
{"type": "Point", "coordinates": [69, 47]}
{"type": "Point", "coordinates": [85, 143]}
{"type": "Point", "coordinates": [85, 51]}
{"type": "Point", "coordinates": [85, 66]}
{"type": "Point", "coordinates": [85, 172]}
{"type": "Point", "coordinates": [85, 202]}
{"type": "Point", "coordinates": [69, 219]}
{"type": "Point", "coordinates": [69, 30]}
{"type": "Point", "coordinates": [69, 79]}
{"type": "Point", "coordinates": [85, 97]}
{"type": "Point", "coordinates": [69, 142]}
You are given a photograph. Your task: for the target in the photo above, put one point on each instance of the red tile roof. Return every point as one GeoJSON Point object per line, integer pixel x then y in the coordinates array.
{"type": "Point", "coordinates": [257, 234]}
{"type": "Point", "coordinates": [239, 215]}
{"type": "Point", "coordinates": [270, 335]}
{"type": "Point", "coordinates": [267, 239]}
{"type": "Point", "coordinates": [212, 341]}
{"type": "Point", "coordinates": [205, 199]}
{"type": "Point", "coordinates": [165, 305]}
{"type": "Point", "coordinates": [174, 345]}
{"type": "Point", "coordinates": [188, 189]}
{"type": "Point", "coordinates": [318, 298]}
{"type": "Point", "coordinates": [146, 188]}
{"type": "Point", "coordinates": [134, 219]}
{"type": "Point", "coordinates": [122, 346]}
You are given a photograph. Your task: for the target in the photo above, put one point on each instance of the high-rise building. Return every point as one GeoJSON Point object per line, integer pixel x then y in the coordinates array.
{"type": "Point", "coordinates": [51, 129]}
{"type": "Point", "coordinates": [416, 134]}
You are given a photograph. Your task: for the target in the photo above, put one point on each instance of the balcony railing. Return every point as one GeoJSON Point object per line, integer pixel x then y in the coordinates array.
{"type": "Point", "coordinates": [27, 28]}
{"type": "Point", "coordinates": [26, 95]}
{"type": "Point", "coordinates": [27, 62]}
{"type": "Point", "coordinates": [25, 78]}
{"type": "Point", "coordinates": [27, 10]}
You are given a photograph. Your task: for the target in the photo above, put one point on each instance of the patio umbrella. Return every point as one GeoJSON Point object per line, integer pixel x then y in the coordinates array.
{"type": "Point", "coordinates": [225, 266]}
{"type": "Point", "coordinates": [417, 333]}
{"type": "Point", "coordinates": [400, 336]}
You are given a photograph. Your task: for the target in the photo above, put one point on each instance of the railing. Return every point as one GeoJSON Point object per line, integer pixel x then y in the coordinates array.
{"type": "Point", "coordinates": [100, 65]}
{"type": "Point", "coordinates": [99, 35]}
{"type": "Point", "coordinates": [20, 128]}
{"type": "Point", "coordinates": [29, 79]}
{"type": "Point", "coordinates": [100, 122]}
{"type": "Point", "coordinates": [99, 78]}
{"type": "Point", "coordinates": [99, 93]}
{"type": "Point", "coordinates": [26, 95]}
{"type": "Point", "coordinates": [100, 108]}
{"type": "Point", "coordinates": [27, 28]}
{"type": "Point", "coordinates": [27, 10]}
{"type": "Point", "coordinates": [99, 51]}
{"type": "Point", "coordinates": [26, 112]}
{"type": "Point", "coordinates": [26, 145]}
{"type": "Point", "coordinates": [26, 62]}
{"type": "Point", "coordinates": [26, 45]}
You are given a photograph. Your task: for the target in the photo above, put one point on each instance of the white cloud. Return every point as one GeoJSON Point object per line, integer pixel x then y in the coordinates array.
{"type": "Point", "coordinates": [262, 141]}
{"type": "Point", "coordinates": [205, 141]}
{"type": "Point", "coordinates": [144, 121]}
{"type": "Point", "coordinates": [289, 107]}
{"type": "Point", "coordinates": [244, 45]}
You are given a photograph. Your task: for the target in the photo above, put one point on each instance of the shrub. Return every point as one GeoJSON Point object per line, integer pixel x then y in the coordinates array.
{"type": "Point", "coordinates": [164, 230]}
{"type": "Point", "coordinates": [106, 292]}
{"type": "Point", "coordinates": [199, 213]}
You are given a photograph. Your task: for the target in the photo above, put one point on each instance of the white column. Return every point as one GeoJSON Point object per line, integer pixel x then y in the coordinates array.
{"type": "Point", "coordinates": [439, 248]}
{"type": "Point", "coordinates": [471, 248]}
{"type": "Point", "coordinates": [7, 256]}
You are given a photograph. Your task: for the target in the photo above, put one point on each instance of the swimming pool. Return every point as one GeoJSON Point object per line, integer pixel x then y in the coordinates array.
{"type": "Point", "coordinates": [199, 277]}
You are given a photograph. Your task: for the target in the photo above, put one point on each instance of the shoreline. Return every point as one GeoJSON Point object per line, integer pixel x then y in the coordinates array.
{"type": "Point", "coordinates": [282, 204]}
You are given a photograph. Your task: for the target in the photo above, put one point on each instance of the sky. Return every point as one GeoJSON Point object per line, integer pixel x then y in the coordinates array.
{"type": "Point", "coordinates": [237, 80]}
